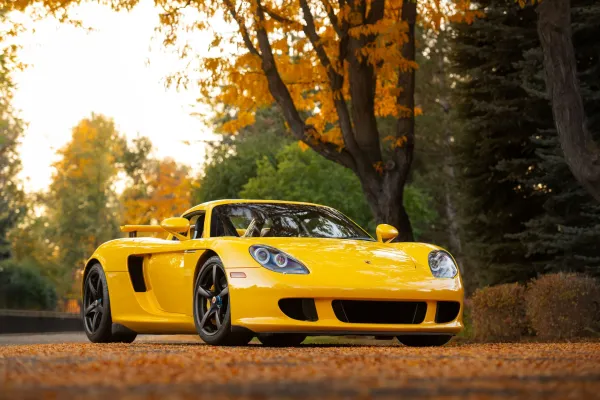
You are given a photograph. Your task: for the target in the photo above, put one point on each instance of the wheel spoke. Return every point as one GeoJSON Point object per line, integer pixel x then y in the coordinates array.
{"type": "Point", "coordinates": [91, 287]}
{"type": "Point", "coordinates": [90, 308]}
{"type": "Point", "coordinates": [224, 292]}
{"type": "Point", "coordinates": [98, 287]}
{"type": "Point", "coordinates": [100, 309]}
{"type": "Point", "coordinates": [94, 320]}
{"type": "Point", "coordinates": [203, 292]}
{"type": "Point", "coordinates": [206, 315]}
{"type": "Point", "coordinates": [218, 320]}
{"type": "Point", "coordinates": [214, 276]}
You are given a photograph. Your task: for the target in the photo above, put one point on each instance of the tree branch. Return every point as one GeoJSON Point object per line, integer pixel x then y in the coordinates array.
{"type": "Point", "coordinates": [332, 17]}
{"type": "Point", "coordinates": [362, 90]}
{"type": "Point", "coordinates": [336, 81]}
{"type": "Point", "coordinates": [279, 18]}
{"type": "Point", "coordinates": [376, 11]}
{"type": "Point", "coordinates": [242, 26]}
{"type": "Point", "coordinates": [284, 100]}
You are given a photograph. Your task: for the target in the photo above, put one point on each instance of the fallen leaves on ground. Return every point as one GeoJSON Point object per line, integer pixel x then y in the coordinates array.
{"type": "Point", "coordinates": [188, 369]}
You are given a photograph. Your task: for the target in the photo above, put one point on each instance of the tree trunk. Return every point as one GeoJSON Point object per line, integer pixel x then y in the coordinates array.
{"type": "Point", "coordinates": [383, 186]}
{"type": "Point", "coordinates": [386, 199]}
{"type": "Point", "coordinates": [580, 151]}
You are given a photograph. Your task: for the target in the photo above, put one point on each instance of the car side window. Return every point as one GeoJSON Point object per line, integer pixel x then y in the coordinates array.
{"type": "Point", "coordinates": [197, 226]}
{"type": "Point", "coordinates": [221, 225]}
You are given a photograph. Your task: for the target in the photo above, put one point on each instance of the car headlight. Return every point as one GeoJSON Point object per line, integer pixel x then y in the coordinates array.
{"type": "Point", "coordinates": [277, 260]}
{"type": "Point", "coordinates": [442, 265]}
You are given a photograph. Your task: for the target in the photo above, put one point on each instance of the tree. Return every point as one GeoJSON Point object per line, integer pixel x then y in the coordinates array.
{"type": "Point", "coordinates": [303, 175]}
{"type": "Point", "coordinates": [496, 152]}
{"type": "Point", "coordinates": [232, 160]}
{"type": "Point", "coordinates": [12, 198]}
{"type": "Point", "coordinates": [165, 192]}
{"type": "Point", "coordinates": [157, 189]}
{"type": "Point", "coordinates": [564, 236]}
{"type": "Point", "coordinates": [435, 170]}
{"type": "Point", "coordinates": [581, 152]}
{"type": "Point", "coordinates": [136, 159]}
{"type": "Point", "coordinates": [81, 204]}
{"type": "Point", "coordinates": [22, 287]}
{"type": "Point", "coordinates": [344, 63]}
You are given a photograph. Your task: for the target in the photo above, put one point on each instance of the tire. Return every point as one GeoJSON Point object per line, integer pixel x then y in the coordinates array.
{"type": "Point", "coordinates": [96, 315]}
{"type": "Point", "coordinates": [281, 339]}
{"type": "Point", "coordinates": [212, 308]}
{"type": "Point", "coordinates": [424, 340]}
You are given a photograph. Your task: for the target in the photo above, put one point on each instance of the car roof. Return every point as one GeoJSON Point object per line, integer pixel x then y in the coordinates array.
{"type": "Point", "coordinates": [210, 204]}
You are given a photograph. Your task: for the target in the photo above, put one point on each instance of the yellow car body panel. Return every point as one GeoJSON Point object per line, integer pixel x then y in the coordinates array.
{"type": "Point", "coordinates": [340, 269]}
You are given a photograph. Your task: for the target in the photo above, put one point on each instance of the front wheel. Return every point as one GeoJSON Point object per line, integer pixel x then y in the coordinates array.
{"type": "Point", "coordinates": [281, 339]}
{"type": "Point", "coordinates": [424, 340]}
{"type": "Point", "coordinates": [212, 307]}
{"type": "Point", "coordinates": [97, 319]}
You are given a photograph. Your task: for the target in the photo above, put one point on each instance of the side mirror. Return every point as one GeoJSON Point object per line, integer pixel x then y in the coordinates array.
{"type": "Point", "coordinates": [175, 225]}
{"type": "Point", "coordinates": [386, 233]}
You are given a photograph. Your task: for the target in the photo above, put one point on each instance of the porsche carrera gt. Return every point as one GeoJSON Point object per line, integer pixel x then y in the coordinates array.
{"type": "Point", "coordinates": [232, 270]}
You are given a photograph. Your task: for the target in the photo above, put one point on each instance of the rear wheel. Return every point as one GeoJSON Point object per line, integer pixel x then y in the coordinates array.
{"type": "Point", "coordinates": [97, 319]}
{"type": "Point", "coordinates": [424, 340]}
{"type": "Point", "coordinates": [281, 339]}
{"type": "Point", "coordinates": [212, 308]}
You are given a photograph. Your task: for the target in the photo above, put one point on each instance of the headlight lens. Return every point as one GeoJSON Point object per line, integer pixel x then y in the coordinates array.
{"type": "Point", "coordinates": [277, 260]}
{"type": "Point", "coordinates": [442, 265]}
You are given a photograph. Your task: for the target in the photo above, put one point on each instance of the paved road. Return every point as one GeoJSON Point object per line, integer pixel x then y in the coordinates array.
{"type": "Point", "coordinates": [79, 337]}
{"type": "Point", "coordinates": [182, 368]}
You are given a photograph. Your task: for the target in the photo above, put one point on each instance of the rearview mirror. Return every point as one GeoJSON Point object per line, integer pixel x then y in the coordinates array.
{"type": "Point", "coordinates": [175, 225]}
{"type": "Point", "coordinates": [386, 233]}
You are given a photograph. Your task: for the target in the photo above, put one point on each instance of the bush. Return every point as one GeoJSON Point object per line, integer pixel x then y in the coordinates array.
{"type": "Point", "coordinates": [564, 305]}
{"type": "Point", "coordinates": [498, 312]}
{"type": "Point", "coordinates": [22, 287]}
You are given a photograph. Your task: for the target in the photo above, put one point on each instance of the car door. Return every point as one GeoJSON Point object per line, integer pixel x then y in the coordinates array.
{"type": "Point", "coordinates": [171, 272]}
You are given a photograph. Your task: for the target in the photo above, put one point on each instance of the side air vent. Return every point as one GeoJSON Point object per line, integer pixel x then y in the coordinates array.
{"type": "Point", "coordinates": [299, 309]}
{"type": "Point", "coordinates": [380, 312]}
{"type": "Point", "coordinates": [135, 265]}
{"type": "Point", "coordinates": [447, 311]}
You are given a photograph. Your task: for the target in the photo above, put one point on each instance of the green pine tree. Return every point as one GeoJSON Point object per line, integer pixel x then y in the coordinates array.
{"type": "Point", "coordinates": [565, 236]}
{"type": "Point", "coordinates": [499, 118]}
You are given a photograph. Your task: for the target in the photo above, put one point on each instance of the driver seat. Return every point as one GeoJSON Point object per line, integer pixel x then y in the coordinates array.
{"type": "Point", "coordinates": [199, 226]}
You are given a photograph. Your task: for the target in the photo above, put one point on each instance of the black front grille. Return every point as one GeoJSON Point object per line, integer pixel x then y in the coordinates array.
{"type": "Point", "coordinates": [447, 311]}
{"type": "Point", "coordinates": [380, 312]}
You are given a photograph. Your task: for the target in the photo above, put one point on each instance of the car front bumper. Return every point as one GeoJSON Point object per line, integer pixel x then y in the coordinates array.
{"type": "Point", "coordinates": [255, 302]}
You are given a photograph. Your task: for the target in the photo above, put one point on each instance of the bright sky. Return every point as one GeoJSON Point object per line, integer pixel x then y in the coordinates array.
{"type": "Point", "coordinates": [73, 73]}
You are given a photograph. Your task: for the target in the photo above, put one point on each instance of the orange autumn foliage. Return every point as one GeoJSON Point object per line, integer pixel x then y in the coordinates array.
{"type": "Point", "coordinates": [164, 193]}
{"type": "Point", "coordinates": [232, 74]}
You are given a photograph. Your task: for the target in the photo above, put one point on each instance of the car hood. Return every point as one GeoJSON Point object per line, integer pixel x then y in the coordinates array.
{"type": "Point", "coordinates": [348, 258]}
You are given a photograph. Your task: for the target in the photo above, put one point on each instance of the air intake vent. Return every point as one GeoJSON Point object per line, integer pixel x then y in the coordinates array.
{"type": "Point", "coordinates": [135, 265]}
{"type": "Point", "coordinates": [447, 311]}
{"type": "Point", "coordinates": [300, 309]}
{"type": "Point", "coordinates": [380, 312]}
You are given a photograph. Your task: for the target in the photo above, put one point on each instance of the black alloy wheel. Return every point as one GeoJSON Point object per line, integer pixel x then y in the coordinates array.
{"type": "Point", "coordinates": [97, 319]}
{"type": "Point", "coordinates": [212, 307]}
{"type": "Point", "coordinates": [93, 310]}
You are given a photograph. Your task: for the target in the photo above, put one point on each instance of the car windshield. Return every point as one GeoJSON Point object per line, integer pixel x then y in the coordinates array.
{"type": "Point", "coordinates": [283, 220]}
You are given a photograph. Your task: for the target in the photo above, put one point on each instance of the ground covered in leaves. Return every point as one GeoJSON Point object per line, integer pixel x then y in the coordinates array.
{"type": "Point", "coordinates": [188, 369]}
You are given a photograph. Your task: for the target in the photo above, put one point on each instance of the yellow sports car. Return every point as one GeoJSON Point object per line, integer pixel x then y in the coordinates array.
{"type": "Point", "coordinates": [231, 270]}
